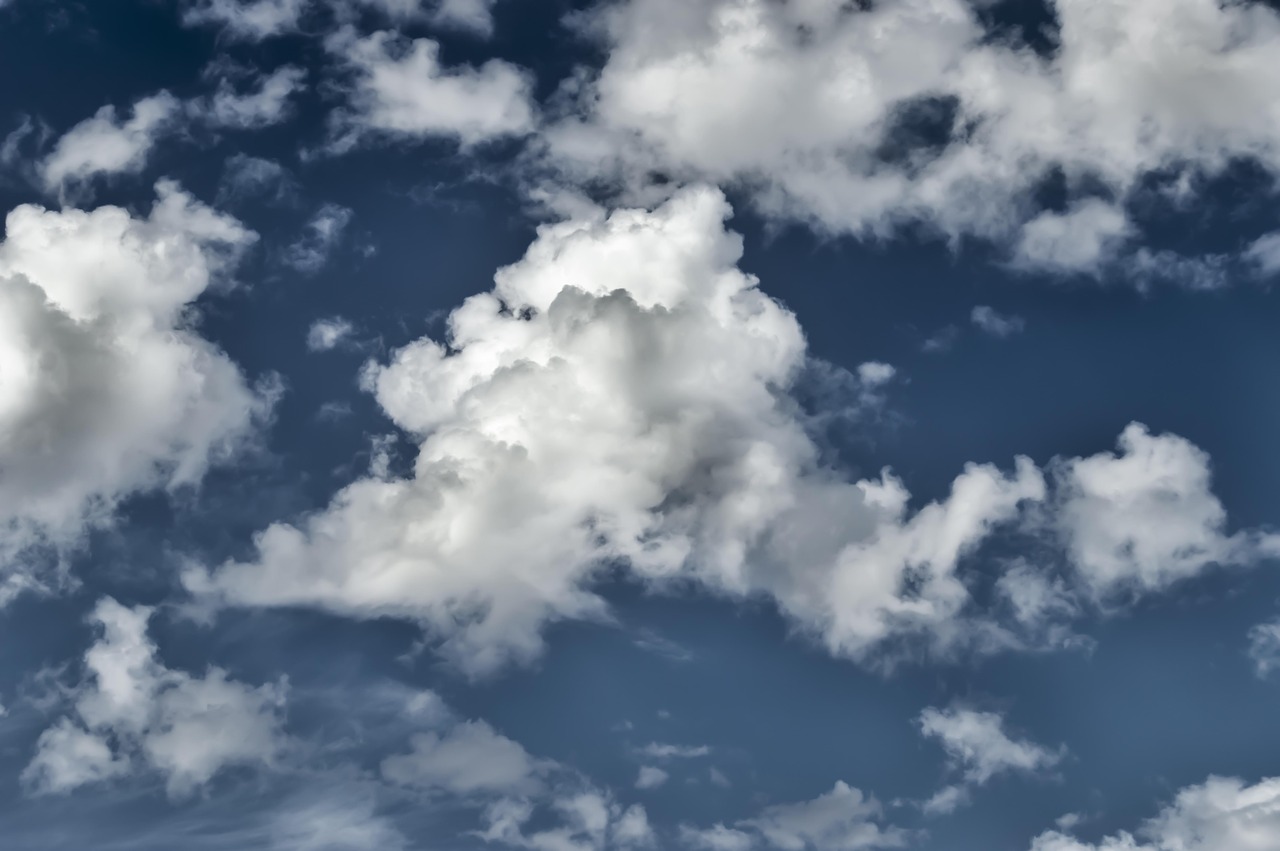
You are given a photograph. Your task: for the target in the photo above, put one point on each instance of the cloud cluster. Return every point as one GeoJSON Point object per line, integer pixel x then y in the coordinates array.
{"type": "Point", "coordinates": [620, 400]}
{"type": "Point", "coordinates": [107, 388]}
{"type": "Point", "coordinates": [861, 118]}
{"type": "Point", "coordinates": [843, 819]}
{"type": "Point", "coordinates": [132, 711]}
{"type": "Point", "coordinates": [1222, 814]}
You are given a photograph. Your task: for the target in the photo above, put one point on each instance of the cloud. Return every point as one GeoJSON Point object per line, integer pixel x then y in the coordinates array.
{"type": "Point", "coordinates": [1222, 814]}
{"type": "Point", "coordinates": [401, 91]}
{"type": "Point", "coordinates": [840, 820]}
{"type": "Point", "coordinates": [132, 709]}
{"type": "Point", "coordinates": [1264, 253]}
{"type": "Point", "coordinates": [268, 104]}
{"type": "Point", "coordinates": [863, 119]}
{"type": "Point", "coordinates": [990, 321]}
{"type": "Point", "coordinates": [108, 145]}
{"type": "Point", "coordinates": [622, 400]}
{"type": "Point", "coordinates": [1146, 518]}
{"type": "Point", "coordinates": [327, 334]}
{"type": "Point", "coordinates": [309, 254]}
{"type": "Point", "coordinates": [109, 390]}
{"type": "Point", "coordinates": [977, 744]}
{"type": "Point", "coordinates": [249, 20]}
{"type": "Point", "coordinates": [662, 750]}
{"type": "Point", "coordinates": [246, 177]}
{"type": "Point", "coordinates": [1264, 648]}
{"type": "Point", "coordinates": [651, 777]}
{"type": "Point", "coordinates": [467, 759]}
{"type": "Point", "coordinates": [473, 16]}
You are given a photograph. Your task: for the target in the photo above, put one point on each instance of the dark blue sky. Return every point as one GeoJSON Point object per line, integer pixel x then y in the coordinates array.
{"type": "Point", "coordinates": [317, 698]}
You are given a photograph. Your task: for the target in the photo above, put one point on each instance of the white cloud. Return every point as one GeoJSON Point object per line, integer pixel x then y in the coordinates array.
{"type": "Point", "coordinates": [474, 16]}
{"type": "Point", "coordinates": [323, 233]}
{"type": "Point", "coordinates": [250, 20]}
{"type": "Point", "coordinates": [873, 373]}
{"type": "Point", "coordinates": [268, 104]}
{"type": "Point", "coordinates": [1146, 518]}
{"type": "Point", "coordinates": [621, 398]}
{"type": "Point", "coordinates": [977, 744]}
{"type": "Point", "coordinates": [467, 759]}
{"type": "Point", "coordinates": [860, 119]}
{"type": "Point", "coordinates": [132, 709]}
{"type": "Point", "coordinates": [588, 821]}
{"type": "Point", "coordinates": [400, 90]}
{"type": "Point", "coordinates": [1264, 252]}
{"type": "Point", "coordinates": [990, 321]}
{"type": "Point", "coordinates": [840, 820]}
{"type": "Point", "coordinates": [107, 145]}
{"type": "Point", "coordinates": [1222, 814]}
{"type": "Point", "coordinates": [716, 838]}
{"type": "Point", "coordinates": [109, 391]}
{"type": "Point", "coordinates": [651, 777]}
{"type": "Point", "coordinates": [616, 397]}
{"type": "Point", "coordinates": [328, 334]}
{"type": "Point", "coordinates": [662, 750]}
{"type": "Point", "coordinates": [946, 800]}
{"type": "Point", "coordinates": [1264, 648]}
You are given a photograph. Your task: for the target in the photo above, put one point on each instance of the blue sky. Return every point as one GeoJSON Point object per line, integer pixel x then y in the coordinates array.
{"type": "Point", "coordinates": [639, 424]}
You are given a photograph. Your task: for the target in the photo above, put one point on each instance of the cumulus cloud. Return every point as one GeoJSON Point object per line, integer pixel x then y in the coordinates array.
{"type": "Point", "coordinates": [132, 710]}
{"type": "Point", "coordinates": [249, 20]}
{"type": "Point", "coordinates": [400, 90]}
{"type": "Point", "coordinates": [1264, 252]}
{"type": "Point", "coordinates": [1147, 517]}
{"type": "Point", "coordinates": [1222, 814]}
{"type": "Point", "coordinates": [977, 745]}
{"type": "Point", "coordinates": [860, 118]}
{"type": "Point", "coordinates": [991, 321]}
{"type": "Point", "coordinates": [107, 144]}
{"type": "Point", "coordinates": [651, 777]}
{"type": "Point", "coordinates": [621, 399]}
{"type": "Point", "coordinates": [470, 758]}
{"type": "Point", "coordinates": [843, 819]}
{"type": "Point", "coordinates": [323, 233]}
{"type": "Point", "coordinates": [108, 390]}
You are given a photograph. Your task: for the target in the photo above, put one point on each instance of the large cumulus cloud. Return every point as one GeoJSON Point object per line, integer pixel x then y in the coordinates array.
{"type": "Point", "coordinates": [106, 388]}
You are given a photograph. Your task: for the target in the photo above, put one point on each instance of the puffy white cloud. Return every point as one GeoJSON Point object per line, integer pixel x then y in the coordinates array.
{"type": "Point", "coordinates": [859, 118]}
{"type": "Point", "coordinates": [618, 396]}
{"type": "Point", "coordinates": [621, 399]}
{"type": "Point", "coordinates": [651, 777]}
{"type": "Point", "coordinates": [327, 334]}
{"type": "Point", "coordinates": [133, 709]}
{"type": "Point", "coordinates": [843, 819]}
{"type": "Point", "coordinates": [106, 144]}
{"type": "Point", "coordinates": [467, 759]}
{"type": "Point", "coordinates": [991, 321]}
{"type": "Point", "coordinates": [978, 745]}
{"type": "Point", "coordinates": [251, 20]}
{"type": "Point", "coordinates": [107, 389]}
{"type": "Point", "coordinates": [1145, 518]}
{"type": "Point", "coordinates": [323, 233]}
{"type": "Point", "coordinates": [400, 90]}
{"type": "Point", "coordinates": [1222, 814]}
{"type": "Point", "coordinates": [268, 104]}
{"type": "Point", "coordinates": [474, 16]}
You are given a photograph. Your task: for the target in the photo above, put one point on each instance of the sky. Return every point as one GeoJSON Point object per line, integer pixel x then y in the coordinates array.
{"type": "Point", "coordinates": [607, 425]}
